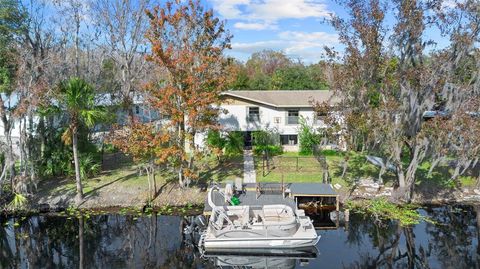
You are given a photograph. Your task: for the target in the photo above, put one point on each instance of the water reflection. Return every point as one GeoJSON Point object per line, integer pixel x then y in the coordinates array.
{"type": "Point", "coordinates": [263, 258]}
{"type": "Point", "coordinates": [116, 241]}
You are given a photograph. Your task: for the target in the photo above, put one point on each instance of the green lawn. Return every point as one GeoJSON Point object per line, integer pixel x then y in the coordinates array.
{"type": "Point", "coordinates": [441, 177]}
{"type": "Point", "coordinates": [228, 168]}
{"type": "Point", "coordinates": [123, 177]}
{"type": "Point", "coordinates": [310, 170]}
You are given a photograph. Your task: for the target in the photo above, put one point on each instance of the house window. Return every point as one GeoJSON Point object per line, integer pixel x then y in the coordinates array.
{"type": "Point", "coordinates": [292, 116]}
{"type": "Point", "coordinates": [289, 140]}
{"type": "Point", "coordinates": [276, 120]}
{"type": "Point", "coordinates": [137, 110]}
{"type": "Point", "coordinates": [254, 114]}
{"type": "Point", "coordinates": [320, 117]}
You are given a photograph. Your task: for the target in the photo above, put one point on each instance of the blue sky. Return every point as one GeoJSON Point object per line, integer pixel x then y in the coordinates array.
{"type": "Point", "coordinates": [296, 27]}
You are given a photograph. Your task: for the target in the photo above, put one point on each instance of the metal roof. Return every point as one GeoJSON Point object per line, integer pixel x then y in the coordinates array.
{"type": "Point", "coordinates": [297, 189]}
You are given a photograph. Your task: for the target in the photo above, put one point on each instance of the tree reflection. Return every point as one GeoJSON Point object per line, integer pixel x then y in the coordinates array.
{"type": "Point", "coordinates": [454, 236]}
{"type": "Point", "coordinates": [109, 241]}
{"type": "Point", "coordinates": [448, 242]}
{"type": "Point", "coordinates": [118, 241]}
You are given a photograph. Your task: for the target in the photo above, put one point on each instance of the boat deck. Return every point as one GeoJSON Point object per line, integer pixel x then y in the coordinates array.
{"type": "Point", "coordinates": [249, 198]}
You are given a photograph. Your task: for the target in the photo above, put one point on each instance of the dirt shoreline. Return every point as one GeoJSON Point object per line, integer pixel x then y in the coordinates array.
{"type": "Point", "coordinates": [170, 195]}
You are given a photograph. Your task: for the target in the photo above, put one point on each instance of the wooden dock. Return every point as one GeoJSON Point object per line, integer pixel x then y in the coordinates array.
{"type": "Point", "coordinates": [319, 195]}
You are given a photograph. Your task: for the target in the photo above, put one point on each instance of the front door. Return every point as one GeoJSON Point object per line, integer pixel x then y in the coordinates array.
{"type": "Point", "coordinates": [248, 140]}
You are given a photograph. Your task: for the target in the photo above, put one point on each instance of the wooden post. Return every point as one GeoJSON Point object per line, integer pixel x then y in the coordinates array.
{"type": "Point", "coordinates": [347, 219]}
{"type": "Point", "coordinates": [263, 165]}
{"type": "Point", "coordinates": [337, 222]}
{"type": "Point", "coordinates": [283, 188]}
{"type": "Point", "coordinates": [297, 163]}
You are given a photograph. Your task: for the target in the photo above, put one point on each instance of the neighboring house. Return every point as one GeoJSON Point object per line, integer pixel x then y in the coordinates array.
{"type": "Point", "coordinates": [139, 110]}
{"type": "Point", "coordinates": [249, 111]}
{"type": "Point", "coordinates": [15, 138]}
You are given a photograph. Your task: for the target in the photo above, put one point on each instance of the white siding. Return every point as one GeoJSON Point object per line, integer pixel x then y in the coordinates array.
{"type": "Point", "coordinates": [236, 119]}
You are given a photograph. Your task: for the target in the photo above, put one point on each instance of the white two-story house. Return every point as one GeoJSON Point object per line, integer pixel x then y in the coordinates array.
{"type": "Point", "coordinates": [249, 111]}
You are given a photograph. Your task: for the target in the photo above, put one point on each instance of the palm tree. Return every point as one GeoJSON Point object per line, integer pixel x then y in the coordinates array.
{"type": "Point", "coordinates": [78, 99]}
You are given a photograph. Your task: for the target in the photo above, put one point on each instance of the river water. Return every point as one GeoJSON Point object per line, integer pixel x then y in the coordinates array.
{"type": "Point", "coordinates": [127, 241]}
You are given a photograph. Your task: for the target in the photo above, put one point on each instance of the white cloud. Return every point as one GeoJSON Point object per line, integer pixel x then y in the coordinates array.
{"type": "Point", "coordinates": [309, 36]}
{"type": "Point", "coordinates": [256, 13]}
{"type": "Point", "coordinates": [304, 45]}
{"type": "Point", "coordinates": [281, 9]}
{"type": "Point", "coordinates": [254, 26]}
{"type": "Point", "coordinates": [229, 8]}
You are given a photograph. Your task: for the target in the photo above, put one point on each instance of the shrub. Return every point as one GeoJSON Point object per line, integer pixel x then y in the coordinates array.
{"type": "Point", "coordinates": [215, 140]}
{"type": "Point", "coordinates": [18, 202]}
{"type": "Point", "coordinates": [109, 148]}
{"type": "Point", "coordinates": [271, 150]}
{"type": "Point", "coordinates": [267, 142]}
{"type": "Point", "coordinates": [233, 143]}
{"type": "Point", "coordinates": [382, 210]}
{"type": "Point", "coordinates": [308, 138]}
{"type": "Point", "coordinates": [230, 144]}
{"type": "Point", "coordinates": [331, 152]}
{"type": "Point", "coordinates": [88, 166]}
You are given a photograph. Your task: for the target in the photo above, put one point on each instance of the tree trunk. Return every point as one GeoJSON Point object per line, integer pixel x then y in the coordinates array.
{"type": "Point", "coordinates": [383, 169]}
{"type": "Point", "coordinates": [180, 176]}
{"type": "Point", "coordinates": [77, 42]}
{"type": "Point", "coordinates": [456, 172]}
{"type": "Point", "coordinates": [149, 184]}
{"type": "Point", "coordinates": [41, 132]}
{"type": "Point", "coordinates": [79, 197]}
{"type": "Point", "coordinates": [401, 176]}
{"type": "Point", "coordinates": [31, 152]}
{"type": "Point", "coordinates": [181, 133]}
{"type": "Point", "coordinates": [10, 160]}
{"type": "Point", "coordinates": [434, 164]}
{"type": "Point", "coordinates": [345, 166]}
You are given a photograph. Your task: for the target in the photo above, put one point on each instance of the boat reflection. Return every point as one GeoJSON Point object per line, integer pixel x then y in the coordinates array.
{"type": "Point", "coordinates": [262, 258]}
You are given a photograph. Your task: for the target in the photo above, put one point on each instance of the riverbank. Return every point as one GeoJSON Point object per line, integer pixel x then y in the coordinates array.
{"type": "Point", "coordinates": [121, 188]}
{"type": "Point", "coordinates": [423, 194]}
{"type": "Point", "coordinates": [126, 188]}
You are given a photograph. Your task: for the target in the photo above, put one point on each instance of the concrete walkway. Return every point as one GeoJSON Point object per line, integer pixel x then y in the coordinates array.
{"type": "Point", "coordinates": [249, 175]}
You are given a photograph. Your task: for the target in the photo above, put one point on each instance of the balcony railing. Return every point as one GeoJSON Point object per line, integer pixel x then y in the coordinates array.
{"type": "Point", "coordinates": [292, 119]}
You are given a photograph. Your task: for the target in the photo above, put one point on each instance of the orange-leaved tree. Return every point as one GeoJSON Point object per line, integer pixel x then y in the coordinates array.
{"type": "Point", "coordinates": [187, 44]}
{"type": "Point", "coordinates": [142, 142]}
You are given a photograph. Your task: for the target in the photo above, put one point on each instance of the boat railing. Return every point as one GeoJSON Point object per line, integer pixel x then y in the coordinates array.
{"type": "Point", "coordinates": [221, 217]}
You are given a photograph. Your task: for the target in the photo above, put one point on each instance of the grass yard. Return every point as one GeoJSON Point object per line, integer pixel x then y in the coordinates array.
{"type": "Point", "coordinates": [310, 170]}
{"type": "Point", "coordinates": [123, 177]}
{"type": "Point", "coordinates": [228, 168]}
{"type": "Point", "coordinates": [441, 177]}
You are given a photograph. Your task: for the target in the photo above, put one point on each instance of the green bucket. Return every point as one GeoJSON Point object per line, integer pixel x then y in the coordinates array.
{"type": "Point", "coordinates": [235, 201]}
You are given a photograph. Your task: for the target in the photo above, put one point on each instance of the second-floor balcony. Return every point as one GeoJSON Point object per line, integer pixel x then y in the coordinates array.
{"type": "Point", "coordinates": [292, 119]}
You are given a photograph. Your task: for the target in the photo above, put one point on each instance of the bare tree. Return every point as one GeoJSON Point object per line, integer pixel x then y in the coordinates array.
{"type": "Point", "coordinates": [33, 83]}
{"type": "Point", "coordinates": [121, 25]}
{"type": "Point", "coordinates": [70, 24]}
{"type": "Point", "coordinates": [387, 81]}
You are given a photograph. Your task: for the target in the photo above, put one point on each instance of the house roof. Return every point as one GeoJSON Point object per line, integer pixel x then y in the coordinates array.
{"type": "Point", "coordinates": [284, 98]}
